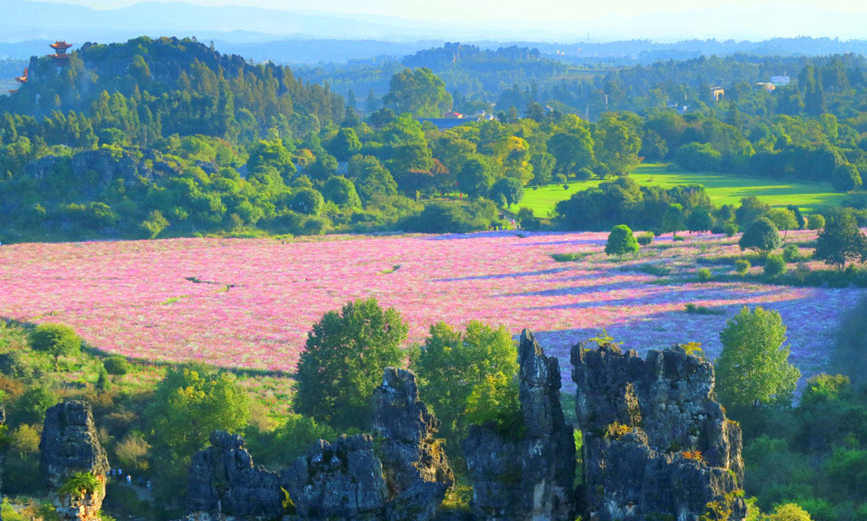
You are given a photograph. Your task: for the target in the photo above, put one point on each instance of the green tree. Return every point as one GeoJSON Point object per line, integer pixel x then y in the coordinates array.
{"type": "Point", "coordinates": [419, 92]}
{"type": "Point", "coordinates": [187, 406]}
{"type": "Point", "coordinates": [699, 220]}
{"type": "Point", "coordinates": [753, 367]}
{"type": "Point", "coordinates": [476, 177]}
{"type": "Point", "coordinates": [674, 219]}
{"type": "Point", "coordinates": [841, 241]}
{"type": "Point", "coordinates": [345, 144]}
{"type": "Point", "coordinates": [507, 191]}
{"type": "Point", "coordinates": [154, 224]}
{"type": "Point", "coordinates": [783, 218]}
{"type": "Point", "coordinates": [343, 360]}
{"type": "Point", "coordinates": [621, 241]}
{"type": "Point", "coordinates": [790, 512]}
{"type": "Point", "coordinates": [33, 402]}
{"type": "Point", "coordinates": [616, 143]}
{"type": "Point", "coordinates": [846, 178]}
{"type": "Point", "coordinates": [55, 339]}
{"type": "Point", "coordinates": [762, 236]}
{"type": "Point", "coordinates": [572, 150]}
{"type": "Point", "coordinates": [341, 191]}
{"type": "Point", "coordinates": [451, 365]}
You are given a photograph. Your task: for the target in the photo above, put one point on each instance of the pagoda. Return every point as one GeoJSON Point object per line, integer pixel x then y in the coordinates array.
{"type": "Point", "coordinates": [20, 79]}
{"type": "Point", "coordinates": [60, 48]}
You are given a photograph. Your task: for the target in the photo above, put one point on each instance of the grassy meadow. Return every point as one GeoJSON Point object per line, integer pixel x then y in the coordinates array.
{"type": "Point", "coordinates": [722, 189]}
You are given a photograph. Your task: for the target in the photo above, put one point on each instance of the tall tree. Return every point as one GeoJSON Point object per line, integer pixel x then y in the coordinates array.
{"type": "Point", "coordinates": [419, 92]}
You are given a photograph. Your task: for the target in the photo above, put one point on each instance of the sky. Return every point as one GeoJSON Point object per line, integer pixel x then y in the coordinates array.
{"type": "Point", "coordinates": [601, 20]}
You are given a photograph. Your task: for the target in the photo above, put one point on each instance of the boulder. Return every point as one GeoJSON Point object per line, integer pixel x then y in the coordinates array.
{"type": "Point", "coordinates": [656, 444]}
{"type": "Point", "coordinates": [416, 470]}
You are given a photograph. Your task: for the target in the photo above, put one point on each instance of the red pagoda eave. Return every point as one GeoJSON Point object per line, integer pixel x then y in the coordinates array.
{"type": "Point", "coordinates": [22, 78]}
{"type": "Point", "coordinates": [60, 45]}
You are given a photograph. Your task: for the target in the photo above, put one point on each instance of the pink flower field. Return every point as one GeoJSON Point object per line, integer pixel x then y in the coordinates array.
{"type": "Point", "coordinates": [250, 302]}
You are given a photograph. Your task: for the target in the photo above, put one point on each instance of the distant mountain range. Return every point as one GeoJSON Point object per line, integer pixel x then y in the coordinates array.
{"type": "Point", "coordinates": [312, 37]}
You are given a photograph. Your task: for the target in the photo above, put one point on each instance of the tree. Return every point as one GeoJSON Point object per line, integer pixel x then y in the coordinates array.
{"type": "Point", "coordinates": [699, 220]}
{"type": "Point", "coordinates": [370, 177]}
{"type": "Point", "coordinates": [761, 236]}
{"type": "Point", "coordinates": [476, 177]}
{"type": "Point", "coordinates": [341, 191]}
{"type": "Point", "coordinates": [451, 365]}
{"type": "Point", "coordinates": [343, 360]}
{"type": "Point", "coordinates": [345, 144]}
{"type": "Point", "coordinates": [846, 178]}
{"type": "Point", "coordinates": [55, 339]}
{"type": "Point", "coordinates": [419, 92]}
{"type": "Point", "coordinates": [507, 191]}
{"type": "Point", "coordinates": [783, 218]}
{"type": "Point", "coordinates": [674, 219]}
{"type": "Point", "coordinates": [841, 241]}
{"type": "Point", "coordinates": [750, 209]}
{"type": "Point", "coordinates": [621, 241]}
{"type": "Point", "coordinates": [753, 367]}
{"type": "Point", "coordinates": [306, 201]}
{"type": "Point", "coordinates": [698, 157]}
{"type": "Point", "coordinates": [790, 512]}
{"type": "Point", "coordinates": [616, 143]}
{"type": "Point", "coordinates": [572, 150]}
{"type": "Point", "coordinates": [32, 404]}
{"type": "Point", "coordinates": [116, 365]}
{"type": "Point", "coordinates": [188, 405]}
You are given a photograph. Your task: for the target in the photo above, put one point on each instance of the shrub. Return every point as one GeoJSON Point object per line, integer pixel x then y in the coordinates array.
{"type": "Point", "coordinates": [55, 339]}
{"type": "Point", "coordinates": [116, 365]}
{"type": "Point", "coordinates": [567, 257]}
{"type": "Point", "coordinates": [527, 220]}
{"type": "Point", "coordinates": [730, 229]}
{"type": "Point", "coordinates": [33, 403]}
{"type": "Point", "coordinates": [816, 221]}
{"type": "Point", "coordinates": [704, 275]}
{"type": "Point", "coordinates": [80, 485]}
{"type": "Point", "coordinates": [692, 309]}
{"type": "Point", "coordinates": [621, 241]}
{"type": "Point", "coordinates": [645, 238]}
{"type": "Point", "coordinates": [791, 253]}
{"type": "Point", "coordinates": [132, 451]}
{"type": "Point", "coordinates": [775, 265]}
{"type": "Point", "coordinates": [742, 266]}
{"type": "Point", "coordinates": [560, 179]}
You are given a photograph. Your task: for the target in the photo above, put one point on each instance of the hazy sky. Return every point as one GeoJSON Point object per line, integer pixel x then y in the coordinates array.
{"type": "Point", "coordinates": [602, 19]}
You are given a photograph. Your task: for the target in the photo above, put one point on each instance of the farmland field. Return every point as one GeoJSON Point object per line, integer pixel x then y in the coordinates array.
{"type": "Point", "coordinates": [250, 302]}
{"type": "Point", "coordinates": [722, 189]}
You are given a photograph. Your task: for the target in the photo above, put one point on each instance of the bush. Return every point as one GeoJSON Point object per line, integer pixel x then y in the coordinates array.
{"type": "Point", "coordinates": [55, 339]}
{"type": "Point", "coordinates": [116, 365]}
{"type": "Point", "coordinates": [560, 179]}
{"type": "Point", "coordinates": [730, 229]}
{"type": "Point", "coordinates": [621, 241]}
{"type": "Point", "coordinates": [645, 238]}
{"type": "Point", "coordinates": [775, 265]}
{"type": "Point", "coordinates": [32, 404]}
{"type": "Point", "coordinates": [791, 253]}
{"type": "Point", "coordinates": [742, 266]}
{"type": "Point", "coordinates": [704, 275]}
{"type": "Point", "coordinates": [816, 221]}
{"type": "Point", "coordinates": [79, 485]}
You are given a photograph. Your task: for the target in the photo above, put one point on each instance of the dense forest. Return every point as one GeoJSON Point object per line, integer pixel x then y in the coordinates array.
{"type": "Point", "coordinates": [170, 138]}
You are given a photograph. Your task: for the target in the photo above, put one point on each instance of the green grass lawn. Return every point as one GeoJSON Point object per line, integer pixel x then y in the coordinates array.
{"type": "Point", "coordinates": [722, 189]}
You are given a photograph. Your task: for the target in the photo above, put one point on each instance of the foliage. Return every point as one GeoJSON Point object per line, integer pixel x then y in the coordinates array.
{"type": "Point", "coordinates": [621, 241]}
{"type": "Point", "coordinates": [789, 512]}
{"type": "Point", "coordinates": [419, 92]}
{"type": "Point", "coordinates": [753, 367]}
{"type": "Point", "coordinates": [453, 366]}
{"type": "Point", "coordinates": [816, 221]}
{"type": "Point", "coordinates": [116, 365]}
{"type": "Point", "coordinates": [55, 339]}
{"type": "Point", "coordinates": [645, 238]}
{"type": "Point", "coordinates": [79, 485]}
{"type": "Point", "coordinates": [762, 235]}
{"type": "Point", "coordinates": [187, 406]}
{"type": "Point", "coordinates": [704, 275]}
{"type": "Point", "coordinates": [846, 178]}
{"type": "Point", "coordinates": [495, 401]}
{"type": "Point", "coordinates": [343, 360]}
{"type": "Point", "coordinates": [132, 452]}
{"type": "Point", "coordinates": [32, 404]}
{"type": "Point", "coordinates": [841, 240]}
{"type": "Point", "coordinates": [775, 265]}
{"type": "Point", "coordinates": [24, 440]}
{"type": "Point", "coordinates": [742, 266]}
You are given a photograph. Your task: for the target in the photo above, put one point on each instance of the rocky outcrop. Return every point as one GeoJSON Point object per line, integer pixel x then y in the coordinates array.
{"type": "Point", "coordinates": [338, 481]}
{"type": "Point", "coordinates": [69, 445]}
{"type": "Point", "coordinates": [223, 479]}
{"type": "Point", "coordinates": [416, 470]}
{"type": "Point", "coordinates": [656, 444]}
{"type": "Point", "coordinates": [526, 474]}
{"type": "Point", "coordinates": [402, 474]}
{"type": "Point", "coordinates": [2, 450]}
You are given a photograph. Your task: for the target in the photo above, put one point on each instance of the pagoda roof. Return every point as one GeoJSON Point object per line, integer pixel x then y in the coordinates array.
{"type": "Point", "coordinates": [22, 78]}
{"type": "Point", "coordinates": [59, 44]}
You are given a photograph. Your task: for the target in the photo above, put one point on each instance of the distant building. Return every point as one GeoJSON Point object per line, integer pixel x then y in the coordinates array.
{"type": "Point", "coordinates": [770, 87]}
{"type": "Point", "coordinates": [717, 93]}
{"type": "Point", "coordinates": [780, 81]}
{"type": "Point", "coordinates": [60, 57]}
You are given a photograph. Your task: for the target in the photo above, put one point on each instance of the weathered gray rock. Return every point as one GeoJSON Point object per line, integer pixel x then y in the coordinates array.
{"type": "Point", "coordinates": [340, 481]}
{"type": "Point", "coordinates": [656, 444]}
{"type": "Point", "coordinates": [526, 474]}
{"type": "Point", "coordinates": [223, 479]}
{"type": "Point", "coordinates": [70, 445]}
{"type": "Point", "coordinates": [416, 470]}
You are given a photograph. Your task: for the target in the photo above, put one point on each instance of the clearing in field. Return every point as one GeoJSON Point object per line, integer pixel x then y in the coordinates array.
{"type": "Point", "coordinates": [250, 302]}
{"type": "Point", "coordinates": [722, 189]}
